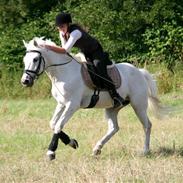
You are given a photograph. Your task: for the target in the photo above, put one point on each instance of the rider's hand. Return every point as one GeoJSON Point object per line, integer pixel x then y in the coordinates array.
{"type": "Point", "coordinates": [47, 46]}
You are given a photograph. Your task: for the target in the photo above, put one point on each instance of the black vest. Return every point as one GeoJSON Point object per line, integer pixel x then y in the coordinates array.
{"type": "Point", "coordinates": [86, 43]}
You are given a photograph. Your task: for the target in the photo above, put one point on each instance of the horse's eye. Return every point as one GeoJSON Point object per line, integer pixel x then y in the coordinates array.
{"type": "Point", "coordinates": [35, 60]}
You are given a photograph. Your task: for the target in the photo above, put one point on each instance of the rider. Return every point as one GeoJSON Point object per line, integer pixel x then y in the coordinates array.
{"type": "Point", "coordinates": [72, 35]}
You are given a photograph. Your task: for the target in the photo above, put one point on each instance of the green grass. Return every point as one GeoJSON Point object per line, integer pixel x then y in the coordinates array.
{"type": "Point", "coordinates": [25, 135]}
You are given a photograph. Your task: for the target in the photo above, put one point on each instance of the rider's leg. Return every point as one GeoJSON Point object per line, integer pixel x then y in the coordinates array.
{"type": "Point", "coordinates": [108, 83]}
{"type": "Point", "coordinates": [101, 59]}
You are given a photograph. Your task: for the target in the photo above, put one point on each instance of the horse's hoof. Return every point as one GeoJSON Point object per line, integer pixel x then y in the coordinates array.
{"type": "Point", "coordinates": [51, 157]}
{"type": "Point", "coordinates": [73, 143]}
{"type": "Point", "coordinates": [97, 152]}
{"type": "Point", "coordinates": [147, 153]}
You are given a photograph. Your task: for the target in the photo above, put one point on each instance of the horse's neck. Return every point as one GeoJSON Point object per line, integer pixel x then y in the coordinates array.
{"type": "Point", "coordinates": [55, 58]}
{"type": "Point", "coordinates": [62, 73]}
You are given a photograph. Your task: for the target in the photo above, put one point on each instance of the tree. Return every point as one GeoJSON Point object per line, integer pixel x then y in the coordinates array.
{"type": "Point", "coordinates": [15, 12]}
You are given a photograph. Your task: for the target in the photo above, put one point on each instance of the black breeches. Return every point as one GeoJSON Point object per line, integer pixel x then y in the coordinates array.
{"type": "Point", "coordinates": [100, 60]}
{"type": "Point", "coordinates": [101, 69]}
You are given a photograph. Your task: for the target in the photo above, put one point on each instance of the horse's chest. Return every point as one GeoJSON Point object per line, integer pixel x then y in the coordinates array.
{"type": "Point", "coordinates": [60, 92]}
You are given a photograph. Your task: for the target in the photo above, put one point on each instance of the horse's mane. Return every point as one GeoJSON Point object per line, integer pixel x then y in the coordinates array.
{"type": "Point", "coordinates": [41, 41]}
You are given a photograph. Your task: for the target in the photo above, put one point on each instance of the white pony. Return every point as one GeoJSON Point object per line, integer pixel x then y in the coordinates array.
{"type": "Point", "coordinates": [71, 93]}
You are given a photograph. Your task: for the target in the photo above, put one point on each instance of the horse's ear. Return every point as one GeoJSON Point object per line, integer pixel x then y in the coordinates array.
{"type": "Point", "coordinates": [25, 44]}
{"type": "Point", "coordinates": [35, 43]}
{"type": "Point", "coordinates": [43, 37]}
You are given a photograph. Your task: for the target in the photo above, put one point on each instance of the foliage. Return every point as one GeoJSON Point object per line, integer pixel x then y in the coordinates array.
{"type": "Point", "coordinates": [166, 44]}
{"type": "Point", "coordinates": [134, 31]}
{"type": "Point", "coordinates": [16, 12]}
{"type": "Point", "coordinates": [119, 25]}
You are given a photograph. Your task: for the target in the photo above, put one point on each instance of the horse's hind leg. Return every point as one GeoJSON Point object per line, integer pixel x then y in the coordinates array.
{"type": "Point", "coordinates": [113, 127]}
{"type": "Point", "coordinates": [141, 113]}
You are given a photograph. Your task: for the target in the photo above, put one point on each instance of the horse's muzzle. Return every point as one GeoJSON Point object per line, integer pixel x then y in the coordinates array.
{"type": "Point", "coordinates": [27, 80]}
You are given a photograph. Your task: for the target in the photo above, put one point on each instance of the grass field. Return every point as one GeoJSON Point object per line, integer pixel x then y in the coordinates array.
{"type": "Point", "coordinates": [25, 135]}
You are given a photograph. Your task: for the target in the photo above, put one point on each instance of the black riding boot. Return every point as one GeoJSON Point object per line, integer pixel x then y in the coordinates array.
{"type": "Point", "coordinates": [118, 101]}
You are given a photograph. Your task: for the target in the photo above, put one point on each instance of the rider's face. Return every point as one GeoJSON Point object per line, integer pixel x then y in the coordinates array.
{"type": "Point", "coordinates": [63, 28]}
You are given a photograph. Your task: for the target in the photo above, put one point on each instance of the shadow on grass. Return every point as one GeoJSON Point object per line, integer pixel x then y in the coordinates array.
{"type": "Point", "coordinates": [165, 152]}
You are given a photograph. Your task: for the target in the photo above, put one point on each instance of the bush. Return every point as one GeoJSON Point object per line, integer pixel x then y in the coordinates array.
{"type": "Point", "coordinates": [165, 44]}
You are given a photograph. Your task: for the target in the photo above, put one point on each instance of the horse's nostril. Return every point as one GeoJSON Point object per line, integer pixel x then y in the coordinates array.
{"type": "Point", "coordinates": [26, 81]}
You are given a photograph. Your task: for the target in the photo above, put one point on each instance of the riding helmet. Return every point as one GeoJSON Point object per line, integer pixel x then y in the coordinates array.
{"type": "Point", "coordinates": [63, 18]}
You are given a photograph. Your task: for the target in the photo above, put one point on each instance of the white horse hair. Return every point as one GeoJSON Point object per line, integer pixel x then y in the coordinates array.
{"type": "Point", "coordinates": [71, 93]}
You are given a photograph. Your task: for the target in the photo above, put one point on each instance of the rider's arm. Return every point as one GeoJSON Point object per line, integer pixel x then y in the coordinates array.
{"type": "Point", "coordinates": [74, 36]}
{"type": "Point", "coordinates": [56, 49]}
{"type": "Point", "coordinates": [62, 39]}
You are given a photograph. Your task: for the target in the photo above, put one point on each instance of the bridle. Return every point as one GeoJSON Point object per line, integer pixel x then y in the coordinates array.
{"type": "Point", "coordinates": [40, 61]}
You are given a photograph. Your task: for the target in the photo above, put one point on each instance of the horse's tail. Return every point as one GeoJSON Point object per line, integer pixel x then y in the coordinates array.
{"type": "Point", "coordinates": [153, 100]}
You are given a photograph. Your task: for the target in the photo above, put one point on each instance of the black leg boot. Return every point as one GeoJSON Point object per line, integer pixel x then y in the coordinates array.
{"type": "Point", "coordinates": [117, 99]}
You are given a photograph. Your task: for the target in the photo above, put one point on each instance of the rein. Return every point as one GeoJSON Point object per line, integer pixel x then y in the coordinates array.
{"type": "Point", "coordinates": [94, 73]}
{"type": "Point", "coordinates": [41, 60]}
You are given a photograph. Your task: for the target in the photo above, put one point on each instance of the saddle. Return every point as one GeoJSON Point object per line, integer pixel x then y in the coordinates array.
{"type": "Point", "coordinates": [91, 82]}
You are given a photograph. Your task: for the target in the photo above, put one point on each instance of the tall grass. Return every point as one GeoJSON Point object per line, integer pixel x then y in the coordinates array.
{"type": "Point", "coordinates": [10, 86]}
{"type": "Point", "coordinates": [166, 80]}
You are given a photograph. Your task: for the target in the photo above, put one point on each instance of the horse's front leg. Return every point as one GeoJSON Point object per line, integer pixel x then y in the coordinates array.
{"type": "Point", "coordinates": [56, 116]}
{"type": "Point", "coordinates": [63, 136]}
{"type": "Point", "coordinates": [65, 116]}
{"type": "Point", "coordinates": [54, 143]}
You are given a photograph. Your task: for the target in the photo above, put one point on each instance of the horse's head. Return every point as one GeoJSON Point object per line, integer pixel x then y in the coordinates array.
{"type": "Point", "coordinates": [38, 59]}
{"type": "Point", "coordinates": [34, 62]}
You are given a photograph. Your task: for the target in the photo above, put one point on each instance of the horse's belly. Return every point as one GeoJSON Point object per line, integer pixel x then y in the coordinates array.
{"type": "Point", "coordinates": [105, 101]}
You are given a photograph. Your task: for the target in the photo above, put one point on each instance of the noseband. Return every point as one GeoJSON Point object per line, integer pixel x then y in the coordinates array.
{"type": "Point", "coordinates": [40, 61]}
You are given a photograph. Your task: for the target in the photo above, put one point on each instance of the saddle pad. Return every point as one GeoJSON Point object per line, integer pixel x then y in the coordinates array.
{"type": "Point", "coordinates": [111, 70]}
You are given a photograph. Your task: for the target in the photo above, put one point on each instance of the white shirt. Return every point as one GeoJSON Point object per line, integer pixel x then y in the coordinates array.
{"type": "Point", "coordinates": [74, 36]}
